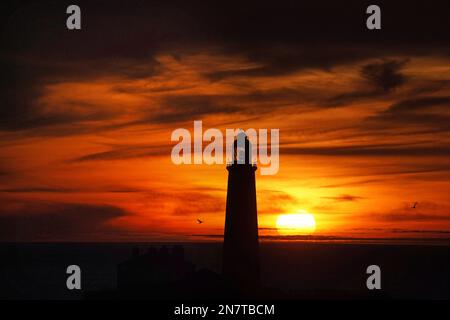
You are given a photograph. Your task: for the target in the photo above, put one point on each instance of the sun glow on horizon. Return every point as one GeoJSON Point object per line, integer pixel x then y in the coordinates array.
{"type": "Point", "coordinates": [301, 223]}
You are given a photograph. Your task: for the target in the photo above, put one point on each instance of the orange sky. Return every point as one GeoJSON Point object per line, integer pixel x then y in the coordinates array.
{"type": "Point", "coordinates": [353, 164]}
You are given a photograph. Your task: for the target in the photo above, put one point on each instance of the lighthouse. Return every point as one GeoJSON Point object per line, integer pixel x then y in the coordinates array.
{"type": "Point", "coordinates": [241, 246]}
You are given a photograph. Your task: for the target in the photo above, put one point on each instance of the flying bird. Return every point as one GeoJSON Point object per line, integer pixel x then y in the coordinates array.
{"type": "Point", "coordinates": [414, 205]}
{"type": "Point", "coordinates": [199, 221]}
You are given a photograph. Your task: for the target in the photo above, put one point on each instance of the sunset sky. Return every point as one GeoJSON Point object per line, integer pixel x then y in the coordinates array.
{"type": "Point", "coordinates": [86, 117]}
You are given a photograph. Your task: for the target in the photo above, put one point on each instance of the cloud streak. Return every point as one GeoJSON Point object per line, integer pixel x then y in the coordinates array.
{"type": "Point", "coordinates": [56, 221]}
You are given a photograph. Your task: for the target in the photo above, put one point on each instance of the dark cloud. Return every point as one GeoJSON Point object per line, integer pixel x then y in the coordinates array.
{"type": "Point", "coordinates": [123, 38]}
{"type": "Point", "coordinates": [344, 198]}
{"type": "Point", "coordinates": [425, 211]}
{"type": "Point", "coordinates": [277, 195]}
{"type": "Point", "coordinates": [418, 169]}
{"type": "Point", "coordinates": [404, 216]}
{"type": "Point", "coordinates": [428, 86]}
{"type": "Point", "coordinates": [429, 172]}
{"type": "Point", "coordinates": [276, 201]}
{"type": "Point", "coordinates": [352, 183]}
{"type": "Point", "coordinates": [418, 104]}
{"type": "Point", "coordinates": [196, 203]}
{"type": "Point", "coordinates": [182, 108]}
{"type": "Point", "coordinates": [437, 232]}
{"type": "Point", "coordinates": [18, 92]}
{"type": "Point", "coordinates": [430, 112]}
{"type": "Point", "coordinates": [137, 29]}
{"type": "Point", "coordinates": [371, 150]}
{"type": "Point", "coordinates": [36, 189]}
{"type": "Point", "coordinates": [279, 59]}
{"type": "Point", "coordinates": [125, 152]}
{"type": "Point", "coordinates": [192, 201]}
{"type": "Point", "coordinates": [34, 221]}
{"type": "Point", "coordinates": [49, 189]}
{"type": "Point", "coordinates": [3, 170]}
{"type": "Point", "coordinates": [380, 150]}
{"type": "Point", "coordinates": [21, 87]}
{"type": "Point", "coordinates": [385, 75]}
{"type": "Point", "coordinates": [179, 108]}
{"type": "Point", "coordinates": [378, 79]}
{"type": "Point", "coordinates": [123, 189]}
{"type": "Point", "coordinates": [110, 189]}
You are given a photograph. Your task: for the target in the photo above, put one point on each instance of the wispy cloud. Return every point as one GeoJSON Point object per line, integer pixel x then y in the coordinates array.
{"type": "Point", "coordinates": [344, 198]}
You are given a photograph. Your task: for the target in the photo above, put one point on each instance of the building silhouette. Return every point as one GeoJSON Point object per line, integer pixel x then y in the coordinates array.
{"type": "Point", "coordinates": [241, 247]}
{"type": "Point", "coordinates": [154, 268]}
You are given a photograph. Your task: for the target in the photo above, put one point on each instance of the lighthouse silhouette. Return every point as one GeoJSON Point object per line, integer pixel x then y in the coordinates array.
{"type": "Point", "coordinates": [241, 246]}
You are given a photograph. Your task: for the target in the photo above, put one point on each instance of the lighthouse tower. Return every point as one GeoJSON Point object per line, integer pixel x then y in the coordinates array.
{"type": "Point", "coordinates": [241, 247]}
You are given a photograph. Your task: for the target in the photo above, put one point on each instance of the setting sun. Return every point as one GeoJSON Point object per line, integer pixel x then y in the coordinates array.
{"type": "Point", "coordinates": [298, 223]}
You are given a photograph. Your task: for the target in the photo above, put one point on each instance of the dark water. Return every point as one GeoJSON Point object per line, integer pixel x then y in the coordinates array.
{"type": "Point", "coordinates": [38, 271]}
